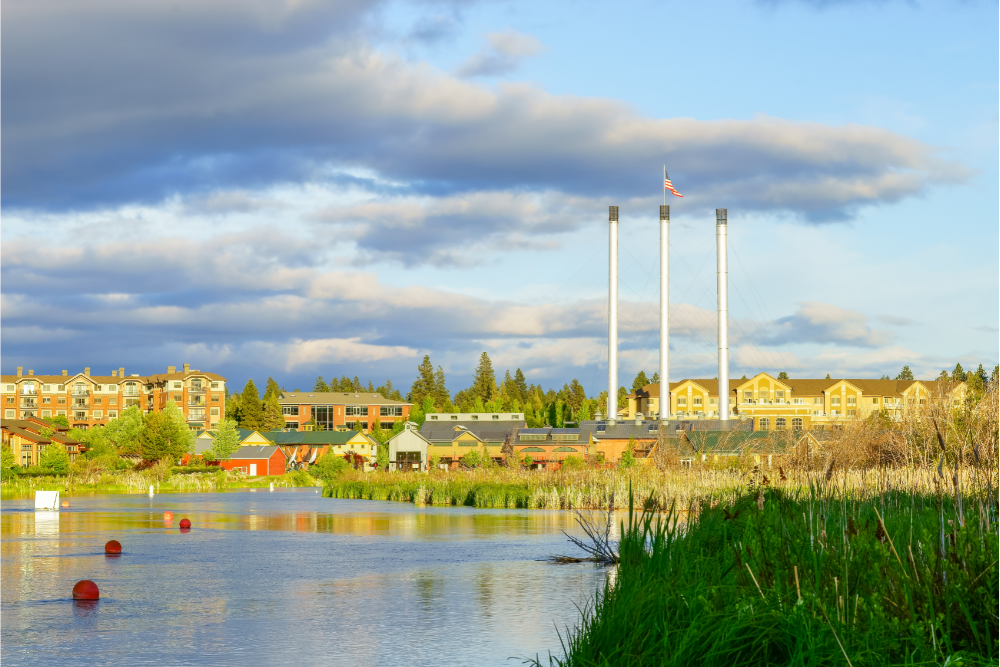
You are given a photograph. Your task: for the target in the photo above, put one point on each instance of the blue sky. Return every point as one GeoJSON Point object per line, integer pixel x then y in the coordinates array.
{"type": "Point", "coordinates": [302, 188]}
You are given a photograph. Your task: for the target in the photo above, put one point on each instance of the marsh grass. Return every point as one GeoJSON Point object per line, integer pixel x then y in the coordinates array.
{"type": "Point", "coordinates": [825, 575]}
{"type": "Point", "coordinates": [160, 477]}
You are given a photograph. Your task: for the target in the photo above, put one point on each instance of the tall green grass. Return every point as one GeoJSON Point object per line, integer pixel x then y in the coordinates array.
{"type": "Point", "coordinates": [805, 578]}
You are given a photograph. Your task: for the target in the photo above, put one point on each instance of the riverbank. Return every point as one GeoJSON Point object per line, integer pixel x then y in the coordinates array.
{"type": "Point", "coordinates": [126, 482]}
{"type": "Point", "coordinates": [593, 489]}
{"type": "Point", "coordinates": [817, 577]}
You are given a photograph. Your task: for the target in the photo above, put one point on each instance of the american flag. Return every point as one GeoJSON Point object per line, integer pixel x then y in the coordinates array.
{"type": "Point", "coordinates": [667, 185]}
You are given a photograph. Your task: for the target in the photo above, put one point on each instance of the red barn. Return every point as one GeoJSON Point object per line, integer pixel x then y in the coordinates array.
{"type": "Point", "coordinates": [257, 461]}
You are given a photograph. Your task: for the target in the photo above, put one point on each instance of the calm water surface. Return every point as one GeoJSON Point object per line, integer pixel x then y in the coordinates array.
{"type": "Point", "coordinates": [285, 577]}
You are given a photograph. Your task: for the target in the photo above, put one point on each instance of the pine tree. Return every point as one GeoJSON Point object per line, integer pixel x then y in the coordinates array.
{"type": "Point", "coordinates": [957, 375]}
{"type": "Point", "coordinates": [484, 383]}
{"type": "Point", "coordinates": [904, 374]}
{"type": "Point", "coordinates": [577, 396]}
{"type": "Point", "coordinates": [655, 379]}
{"type": "Point", "coordinates": [321, 385]}
{"type": "Point", "coordinates": [552, 416]}
{"type": "Point", "coordinates": [251, 408]}
{"type": "Point", "coordinates": [622, 398]}
{"type": "Point", "coordinates": [441, 395]}
{"type": "Point", "coordinates": [782, 375]}
{"type": "Point", "coordinates": [356, 385]}
{"type": "Point", "coordinates": [943, 377]}
{"type": "Point", "coordinates": [274, 418]}
{"type": "Point", "coordinates": [522, 385]}
{"type": "Point", "coordinates": [272, 389]}
{"type": "Point", "coordinates": [423, 386]}
{"type": "Point", "coordinates": [640, 381]}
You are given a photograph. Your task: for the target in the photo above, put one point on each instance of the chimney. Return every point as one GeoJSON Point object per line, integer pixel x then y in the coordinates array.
{"type": "Point", "coordinates": [31, 373]}
{"type": "Point", "coordinates": [721, 237]}
{"type": "Point", "coordinates": [613, 315]}
{"type": "Point", "coordinates": [65, 373]}
{"type": "Point", "coordinates": [20, 371]}
{"type": "Point", "coordinates": [638, 419]}
{"type": "Point", "coordinates": [664, 310]}
{"type": "Point", "coordinates": [187, 367]}
{"type": "Point", "coordinates": [114, 374]}
{"type": "Point", "coordinates": [86, 371]}
{"type": "Point", "coordinates": [121, 371]}
{"type": "Point", "coordinates": [171, 370]}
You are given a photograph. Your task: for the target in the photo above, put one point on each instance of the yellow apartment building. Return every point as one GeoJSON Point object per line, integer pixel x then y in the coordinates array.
{"type": "Point", "coordinates": [796, 404]}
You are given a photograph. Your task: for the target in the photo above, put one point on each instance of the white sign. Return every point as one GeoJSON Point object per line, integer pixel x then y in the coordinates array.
{"type": "Point", "coordinates": [46, 500]}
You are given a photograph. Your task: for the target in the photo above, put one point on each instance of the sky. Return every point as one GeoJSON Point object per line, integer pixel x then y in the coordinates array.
{"type": "Point", "coordinates": [299, 188]}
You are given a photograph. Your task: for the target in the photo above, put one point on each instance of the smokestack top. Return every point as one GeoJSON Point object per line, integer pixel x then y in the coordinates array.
{"type": "Point", "coordinates": [86, 371]}
{"type": "Point", "coordinates": [664, 211]}
{"type": "Point", "coordinates": [612, 214]}
{"type": "Point", "coordinates": [187, 368]}
{"type": "Point", "coordinates": [20, 371]}
{"type": "Point", "coordinates": [114, 373]}
{"type": "Point", "coordinates": [65, 373]}
{"type": "Point", "coordinates": [720, 216]}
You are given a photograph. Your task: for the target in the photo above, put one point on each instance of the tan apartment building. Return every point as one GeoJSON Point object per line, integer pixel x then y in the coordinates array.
{"type": "Point", "coordinates": [28, 437]}
{"type": "Point", "coordinates": [92, 400]}
{"type": "Point", "coordinates": [336, 410]}
{"type": "Point", "coordinates": [797, 404]}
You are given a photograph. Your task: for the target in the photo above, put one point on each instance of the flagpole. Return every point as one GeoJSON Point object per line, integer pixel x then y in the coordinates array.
{"type": "Point", "coordinates": [664, 400]}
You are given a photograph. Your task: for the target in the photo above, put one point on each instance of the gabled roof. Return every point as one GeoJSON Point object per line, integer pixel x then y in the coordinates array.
{"type": "Point", "coordinates": [409, 430]}
{"type": "Point", "coordinates": [487, 431]}
{"type": "Point", "coordinates": [256, 452]}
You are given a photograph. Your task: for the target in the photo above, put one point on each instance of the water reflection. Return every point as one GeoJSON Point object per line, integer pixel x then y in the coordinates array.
{"type": "Point", "coordinates": [309, 578]}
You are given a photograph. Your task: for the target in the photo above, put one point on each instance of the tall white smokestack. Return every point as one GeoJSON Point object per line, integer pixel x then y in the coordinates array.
{"type": "Point", "coordinates": [613, 316]}
{"type": "Point", "coordinates": [664, 312]}
{"type": "Point", "coordinates": [721, 237]}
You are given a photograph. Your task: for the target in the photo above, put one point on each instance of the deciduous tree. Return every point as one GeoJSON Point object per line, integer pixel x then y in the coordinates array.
{"type": "Point", "coordinates": [226, 441]}
{"type": "Point", "coordinates": [54, 458]}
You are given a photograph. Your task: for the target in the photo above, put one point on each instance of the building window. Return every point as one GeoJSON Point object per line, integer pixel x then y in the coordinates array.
{"type": "Point", "coordinates": [779, 424]}
{"type": "Point", "coordinates": [46, 400]}
{"type": "Point", "coordinates": [852, 413]}
{"type": "Point", "coordinates": [98, 414]}
{"type": "Point", "coordinates": [62, 400]}
{"type": "Point", "coordinates": [764, 424]}
{"type": "Point", "coordinates": [779, 393]}
{"type": "Point", "coordinates": [682, 401]}
{"type": "Point", "coordinates": [215, 398]}
{"type": "Point", "coordinates": [357, 411]}
{"type": "Point", "coordinates": [97, 400]}
{"type": "Point", "coordinates": [818, 401]}
{"type": "Point", "coordinates": [11, 387]}
{"type": "Point", "coordinates": [178, 385]}
{"type": "Point", "coordinates": [323, 416]}
{"type": "Point", "coordinates": [215, 385]}
{"type": "Point", "coordinates": [10, 400]}
{"type": "Point", "coordinates": [835, 400]}
{"type": "Point", "coordinates": [923, 401]}
{"type": "Point", "coordinates": [697, 401]}
{"type": "Point", "coordinates": [80, 416]}
{"type": "Point", "coordinates": [214, 412]}
{"type": "Point", "coordinates": [852, 400]}
{"type": "Point", "coordinates": [391, 411]}
{"type": "Point", "coordinates": [763, 393]}
{"type": "Point", "coordinates": [46, 387]}
{"type": "Point", "coordinates": [196, 384]}
{"type": "Point", "coordinates": [387, 426]}
{"type": "Point", "coordinates": [113, 400]}
{"type": "Point", "coordinates": [46, 413]}
{"type": "Point", "coordinates": [875, 400]}
{"type": "Point", "coordinates": [112, 414]}
{"type": "Point", "coordinates": [797, 423]}
{"type": "Point", "coordinates": [748, 395]}
{"type": "Point", "coordinates": [292, 410]}
{"type": "Point", "coordinates": [713, 401]}
{"type": "Point", "coordinates": [61, 413]}
{"type": "Point", "coordinates": [9, 414]}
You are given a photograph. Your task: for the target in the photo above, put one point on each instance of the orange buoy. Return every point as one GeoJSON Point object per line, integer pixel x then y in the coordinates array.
{"type": "Point", "coordinates": [168, 516]}
{"type": "Point", "coordinates": [65, 503]}
{"type": "Point", "coordinates": [185, 524]}
{"type": "Point", "coordinates": [86, 590]}
{"type": "Point", "coordinates": [113, 547]}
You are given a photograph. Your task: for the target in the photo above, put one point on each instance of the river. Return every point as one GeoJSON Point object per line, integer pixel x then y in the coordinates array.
{"type": "Point", "coordinates": [285, 577]}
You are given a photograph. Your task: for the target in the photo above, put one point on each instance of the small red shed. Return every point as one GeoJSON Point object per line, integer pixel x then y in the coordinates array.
{"type": "Point", "coordinates": [257, 461]}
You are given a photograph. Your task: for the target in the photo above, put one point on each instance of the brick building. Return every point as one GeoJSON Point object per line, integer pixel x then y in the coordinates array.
{"type": "Point", "coordinates": [92, 400]}
{"type": "Point", "coordinates": [329, 411]}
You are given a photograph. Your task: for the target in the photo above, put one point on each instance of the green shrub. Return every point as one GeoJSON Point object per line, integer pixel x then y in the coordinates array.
{"type": "Point", "coordinates": [573, 463]}
{"type": "Point", "coordinates": [329, 468]}
{"type": "Point", "coordinates": [54, 459]}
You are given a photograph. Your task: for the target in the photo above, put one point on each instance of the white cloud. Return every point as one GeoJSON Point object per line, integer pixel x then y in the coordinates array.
{"type": "Point", "coordinates": [334, 350]}
{"type": "Point", "coordinates": [502, 56]}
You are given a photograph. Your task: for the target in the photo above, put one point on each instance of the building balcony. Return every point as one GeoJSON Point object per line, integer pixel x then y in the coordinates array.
{"type": "Point", "coordinates": [131, 392]}
{"type": "Point", "coordinates": [80, 392]}
{"type": "Point", "coordinates": [197, 390]}
{"type": "Point", "coordinates": [28, 403]}
{"type": "Point", "coordinates": [28, 392]}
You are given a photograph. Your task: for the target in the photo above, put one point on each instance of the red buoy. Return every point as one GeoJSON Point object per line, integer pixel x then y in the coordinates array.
{"type": "Point", "coordinates": [86, 590]}
{"type": "Point", "coordinates": [168, 516]}
{"type": "Point", "coordinates": [113, 547]}
{"type": "Point", "coordinates": [185, 524]}
{"type": "Point", "coordinates": [65, 503]}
